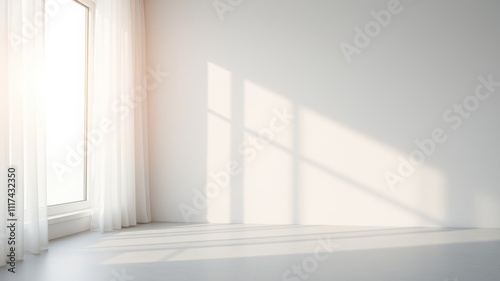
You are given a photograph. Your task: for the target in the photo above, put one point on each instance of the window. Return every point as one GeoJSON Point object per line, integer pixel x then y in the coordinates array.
{"type": "Point", "coordinates": [67, 57]}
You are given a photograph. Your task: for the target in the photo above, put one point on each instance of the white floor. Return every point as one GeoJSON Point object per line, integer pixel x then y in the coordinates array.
{"type": "Point", "coordinates": [199, 252]}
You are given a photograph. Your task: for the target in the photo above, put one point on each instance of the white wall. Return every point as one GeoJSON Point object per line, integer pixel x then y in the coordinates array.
{"type": "Point", "coordinates": [353, 122]}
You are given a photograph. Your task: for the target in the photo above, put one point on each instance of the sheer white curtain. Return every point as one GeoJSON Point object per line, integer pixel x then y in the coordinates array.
{"type": "Point", "coordinates": [22, 139]}
{"type": "Point", "coordinates": [118, 164]}
{"type": "Point", "coordinates": [4, 149]}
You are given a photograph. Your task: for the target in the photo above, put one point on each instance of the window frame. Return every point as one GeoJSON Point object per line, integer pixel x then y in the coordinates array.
{"type": "Point", "coordinates": [56, 212]}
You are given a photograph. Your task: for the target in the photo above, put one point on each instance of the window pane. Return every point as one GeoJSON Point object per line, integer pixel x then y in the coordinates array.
{"type": "Point", "coordinates": [65, 60]}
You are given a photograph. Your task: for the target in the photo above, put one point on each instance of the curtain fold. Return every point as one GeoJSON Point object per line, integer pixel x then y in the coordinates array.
{"type": "Point", "coordinates": [118, 165]}
{"type": "Point", "coordinates": [4, 143]}
{"type": "Point", "coordinates": [22, 124]}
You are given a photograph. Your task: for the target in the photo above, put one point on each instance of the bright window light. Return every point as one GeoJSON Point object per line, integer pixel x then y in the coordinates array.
{"type": "Point", "coordinates": [66, 39]}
